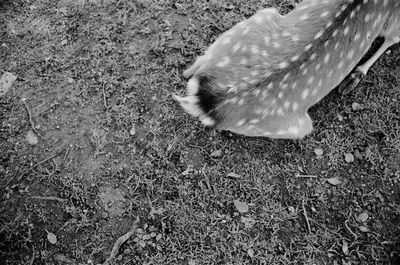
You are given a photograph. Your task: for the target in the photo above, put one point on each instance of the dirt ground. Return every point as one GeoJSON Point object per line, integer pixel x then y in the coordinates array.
{"type": "Point", "coordinates": [91, 139]}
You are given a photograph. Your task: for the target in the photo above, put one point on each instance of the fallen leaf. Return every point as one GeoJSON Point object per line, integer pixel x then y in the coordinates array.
{"type": "Point", "coordinates": [345, 247]}
{"type": "Point", "coordinates": [356, 106]}
{"type": "Point", "coordinates": [187, 171]}
{"type": "Point", "coordinates": [233, 175]}
{"type": "Point", "coordinates": [132, 130]}
{"type": "Point", "coordinates": [250, 252]}
{"type": "Point", "coordinates": [248, 222]}
{"type": "Point", "coordinates": [241, 207]}
{"type": "Point", "coordinates": [357, 154]}
{"type": "Point", "coordinates": [334, 181]}
{"type": "Point", "coordinates": [363, 217]}
{"type": "Point", "coordinates": [216, 153]}
{"type": "Point", "coordinates": [51, 238]}
{"type": "Point", "coordinates": [348, 157]}
{"type": "Point", "coordinates": [31, 138]}
{"type": "Point", "coordinates": [6, 82]}
{"type": "Point", "coordinates": [291, 209]}
{"type": "Point", "coordinates": [62, 259]}
{"type": "Point", "coordinates": [318, 151]}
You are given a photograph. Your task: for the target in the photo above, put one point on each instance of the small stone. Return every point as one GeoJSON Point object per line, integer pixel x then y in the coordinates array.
{"type": "Point", "coordinates": [132, 130]}
{"type": "Point", "coordinates": [334, 181]}
{"type": "Point", "coordinates": [6, 82]}
{"type": "Point", "coordinates": [104, 214]}
{"type": "Point", "coordinates": [356, 106]}
{"type": "Point", "coordinates": [348, 157]}
{"type": "Point", "coordinates": [357, 154]}
{"type": "Point", "coordinates": [216, 153]}
{"type": "Point", "coordinates": [52, 238]}
{"type": "Point", "coordinates": [233, 175]}
{"type": "Point", "coordinates": [318, 151]}
{"type": "Point", "coordinates": [31, 138]}
{"type": "Point", "coordinates": [363, 217]}
{"type": "Point", "coordinates": [241, 207]}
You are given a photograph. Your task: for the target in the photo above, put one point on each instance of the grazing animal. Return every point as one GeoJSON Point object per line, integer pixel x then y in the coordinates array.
{"type": "Point", "coordinates": [261, 77]}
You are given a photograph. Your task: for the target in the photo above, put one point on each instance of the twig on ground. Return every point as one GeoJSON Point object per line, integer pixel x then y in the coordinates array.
{"type": "Point", "coordinates": [33, 257]}
{"type": "Point", "coordinates": [347, 226]}
{"type": "Point", "coordinates": [306, 176]}
{"type": "Point", "coordinates": [104, 98]}
{"type": "Point", "coordinates": [120, 241]}
{"type": "Point", "coordinates": [306, 217]}
{"type": "Point", "coordinates": [50, 198]}
{"type": "Point", "coordinates": [30, 118]}
{"type": "Point", "coordinates": [327, 229]}
{"type": "Point", "coordinates": [36, 165]}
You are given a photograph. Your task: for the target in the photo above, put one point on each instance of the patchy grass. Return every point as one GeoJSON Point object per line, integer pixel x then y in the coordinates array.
{"type": "Point", "coordinates": [97, 79]}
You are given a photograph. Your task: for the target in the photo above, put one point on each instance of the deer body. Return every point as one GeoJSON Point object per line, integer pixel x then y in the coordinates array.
{"type": "Point", "coordinates": [261, 77]}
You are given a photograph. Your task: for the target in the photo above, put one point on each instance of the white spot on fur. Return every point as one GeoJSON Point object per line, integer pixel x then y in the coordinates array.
{"type": "Point", "coordinates": [295, 106]}
{"type": "Point", "coordinates": [254, 49]}
{"type": "Point", "coordinates": [283, 64]}
{"type": "Point", "coordinates": [207, 121]}
{"type": "Point", "coordinates": [293, 130]}
{"type": "Point", "coordinates": [286, 104]}
{"type": "Point", "coordinates": [254, 121]}
{"type": "Point", "coordinates": [350, 54]}
{"type": "Point", "coordinates": [264, 54]}
{"type": "Point", "coordinates": [266, 40]}
{"type": "Point", "coordinates": [318, 35]}
{"type": "Point", "coordinates": [327, 58]}
{"type": "Point", "coordinates": [224, 62]}
{"type": "Point", "coordinates": [241, 123]}
{"type": "Point", "coordinates": [304, 17]}
{"type": "Point", "coordinates": [226, 41]}
{"type": "Point", "coordinates": [286, 77]}
{"type": "Point", "coordinates": [304, 94]}
{"type": "Point", "coordinates": [294, 58]}
{"type": "Point", "coordinates": [346, 30]}
{"type": "Point", "coordinates": [236, 47]}
{"type": "Point", "coordinates": [324, 14]}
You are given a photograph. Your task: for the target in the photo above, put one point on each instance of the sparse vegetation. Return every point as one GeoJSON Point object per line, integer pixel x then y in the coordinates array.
{"type": "Point", "coordinates": [94, 86]}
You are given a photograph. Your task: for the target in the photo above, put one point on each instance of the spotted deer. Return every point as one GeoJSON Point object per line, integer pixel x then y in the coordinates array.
{"type": "Point", "coordinates": [261, 77]}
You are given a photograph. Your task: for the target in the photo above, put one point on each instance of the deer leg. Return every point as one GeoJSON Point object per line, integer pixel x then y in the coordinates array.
{"type": "Point", "coordinates": [352, 80]}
